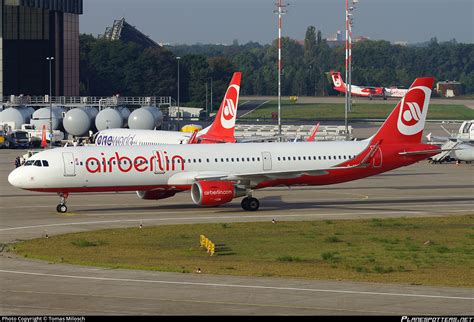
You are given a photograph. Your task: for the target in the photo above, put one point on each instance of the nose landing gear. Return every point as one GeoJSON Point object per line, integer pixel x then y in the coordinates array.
{"type": "Point", "coordinates": [62, 208]}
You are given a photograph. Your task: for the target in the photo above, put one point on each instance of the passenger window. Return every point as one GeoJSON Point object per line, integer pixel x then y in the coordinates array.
{"type": "Point", "coordinates": [216, 159]}
{"type": "Point", "coordinates": [253, 159]}
{"type": "Point", "coordinates": [45, 163]}
{"type": "Point", "coordinates": [37, 163]}
{"type": "Point", "coordinates": [278, 158]}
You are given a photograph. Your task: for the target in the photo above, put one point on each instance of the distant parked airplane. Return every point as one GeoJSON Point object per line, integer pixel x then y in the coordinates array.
{"type": "Point", "coordinates": [220, 131]}
{"type": "Point", "coordinates": [366, 91]}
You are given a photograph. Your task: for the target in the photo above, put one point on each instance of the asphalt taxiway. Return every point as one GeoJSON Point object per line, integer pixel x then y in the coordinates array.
{"type": "Point", "coordinates": [35, 287]}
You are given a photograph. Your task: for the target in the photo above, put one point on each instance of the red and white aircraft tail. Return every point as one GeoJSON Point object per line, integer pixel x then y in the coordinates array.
{"type": "Point", "coordinates": [406, 122]}
{"type": "Point", "coordinates": [222, 129]}
{"type": "Point", "coordinates": [337, 81]}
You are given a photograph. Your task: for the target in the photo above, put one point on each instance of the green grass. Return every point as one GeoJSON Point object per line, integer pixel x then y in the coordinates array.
{"type": "Point", "coordinates": [430, 251]}
{"type": "Point", "coordinates": [322, 111]}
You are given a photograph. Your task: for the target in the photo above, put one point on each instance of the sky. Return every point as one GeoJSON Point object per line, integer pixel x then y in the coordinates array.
{"type": "Point", "coordinates": [222, 21]}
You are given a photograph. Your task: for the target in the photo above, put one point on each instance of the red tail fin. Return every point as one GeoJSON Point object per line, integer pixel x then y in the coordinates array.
{"type": "Point", "coordinates": [406, 122]}
{"type": "Point", "coordinates": [222, 129]}
{"type": "Point", "coordinates": [339, 84]}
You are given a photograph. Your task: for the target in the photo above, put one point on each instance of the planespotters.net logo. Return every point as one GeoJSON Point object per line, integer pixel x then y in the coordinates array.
{"type": "Point", "coordinates": [437, 319]}
{"type": "Point", "coordinates": [411, 119]}
{"type": "Point", "coordinates": [230, 107]}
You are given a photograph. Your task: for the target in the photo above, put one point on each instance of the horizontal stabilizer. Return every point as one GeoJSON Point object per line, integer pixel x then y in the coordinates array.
{"type": "Point", "coordinates": [426, 152]}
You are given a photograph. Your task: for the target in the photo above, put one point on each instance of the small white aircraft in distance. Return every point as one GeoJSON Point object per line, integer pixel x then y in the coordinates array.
{"type": "Point", "coordinates": [217, 173]}
{"type": "Point", "coordinates": [220, 131]}
{"type": "Point", "coordinates": [366, 91]}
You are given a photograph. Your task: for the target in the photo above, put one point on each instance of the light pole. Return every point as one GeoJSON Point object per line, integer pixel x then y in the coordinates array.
{"type": "Point", "coordinates": [211, 95]}
{"type": "Point", "coordinates": [348, 94]}
{"type": "Point", "coordinates": [280, 10]}
{"type": "Point", "coordinates": [50, 60]}
{"type": "Point", "coordinates": [208, 111]}
{"type": "Point", "coordinates": [178, 59]}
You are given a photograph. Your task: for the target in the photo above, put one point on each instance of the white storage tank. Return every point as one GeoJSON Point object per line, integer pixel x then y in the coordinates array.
{"type": "Point", "coordinates": [41, 117]}
{"type": "Point", "coordinates": [78, 121]}
{"type": "Point", "coordinates": [112, 118]}
{"type": "Point", "coordinates": [145, 118]}
{"type": "Point", "coordinates": [15, 117]}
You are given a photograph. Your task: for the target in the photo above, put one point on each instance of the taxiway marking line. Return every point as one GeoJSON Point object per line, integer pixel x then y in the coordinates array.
{"type": "Point", "coordinates": [254, 108]}
{"type": "Point", "coordinates": [237, 216]}
{"type": "Point", "coordinates": [237, 286]}
{"type": "Point", "coordinates": [206, 302]}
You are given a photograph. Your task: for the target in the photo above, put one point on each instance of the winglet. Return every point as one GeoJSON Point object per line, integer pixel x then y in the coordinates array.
{"type": "Point", "coordinates": [193, 138]}
{"type": "Point", "coordinates": [313, 134]}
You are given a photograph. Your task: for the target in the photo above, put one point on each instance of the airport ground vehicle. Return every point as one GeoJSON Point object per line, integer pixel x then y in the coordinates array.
{"type": "Point", "coordinates": [15, 139]}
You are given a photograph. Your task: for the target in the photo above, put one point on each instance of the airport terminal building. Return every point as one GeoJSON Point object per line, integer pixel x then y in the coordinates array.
{"type": "Point", "coordinates": [31, 31]}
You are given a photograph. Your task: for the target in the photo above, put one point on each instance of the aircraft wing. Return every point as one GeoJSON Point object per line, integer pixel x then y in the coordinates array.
{"type": "Point", "coordinates": [271, 175]}
{"type": "Point", "coordinates": [287, 174]}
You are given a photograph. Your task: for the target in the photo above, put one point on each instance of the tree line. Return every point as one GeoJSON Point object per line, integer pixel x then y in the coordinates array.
{"type": "Point", "coordinates": [125, 68]}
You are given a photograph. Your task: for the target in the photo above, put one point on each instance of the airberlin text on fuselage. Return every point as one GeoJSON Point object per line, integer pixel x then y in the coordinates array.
{"type": "Point", "coordinates": [158, 162]}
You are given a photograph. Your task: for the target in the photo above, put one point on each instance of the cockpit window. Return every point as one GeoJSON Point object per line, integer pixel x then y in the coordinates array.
{"type": "Point", "coordinates": [45, 163]}
{"type": "Point", "coordinates": [37, 163]}
{"type": "Point", "coordinates": [29, 162]}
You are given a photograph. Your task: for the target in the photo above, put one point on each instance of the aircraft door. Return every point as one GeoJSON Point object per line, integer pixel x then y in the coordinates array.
{"type": "Point", "coordinates": [69, 165]}
{"type": "Point", "coordinates": [267, 161]}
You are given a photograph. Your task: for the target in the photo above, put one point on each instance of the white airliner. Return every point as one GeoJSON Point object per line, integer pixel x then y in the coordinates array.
{"type": "Point", "coordinates": [218, 173]}
{"type": "Point", "coordinates": [220, 131]}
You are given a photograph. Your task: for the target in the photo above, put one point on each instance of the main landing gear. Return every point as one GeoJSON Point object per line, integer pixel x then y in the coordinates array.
{"type": "Point", "coordinates": [62, 208]}
{"type": "Point", "coordinates": [250, 204]}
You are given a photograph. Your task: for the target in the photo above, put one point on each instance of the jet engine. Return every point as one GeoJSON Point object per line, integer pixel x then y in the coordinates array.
{"type": "Point", "coordinates": [213, 193]}
{"type": "Point", "coordinates": [155, 194]}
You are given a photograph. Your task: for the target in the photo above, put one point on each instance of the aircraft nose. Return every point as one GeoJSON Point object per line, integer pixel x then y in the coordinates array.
{"type": "Point", "coordinates": [15, 178]}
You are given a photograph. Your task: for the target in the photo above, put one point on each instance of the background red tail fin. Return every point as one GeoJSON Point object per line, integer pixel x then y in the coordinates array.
{"type": "Point", "coordinates": [407, 121]}
{"type": "Point", "coordinates": [339, 84]}
{"type": "Point", "coordinates": [222, 129]}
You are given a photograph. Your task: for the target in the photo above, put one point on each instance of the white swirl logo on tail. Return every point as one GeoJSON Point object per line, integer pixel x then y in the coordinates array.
{"type": "Point", "coordinates": [337, 80]}
{"type": "Point", "coordinates": [411, 119]}
{"type": "Point", "coordinates": [229, 110]}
